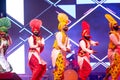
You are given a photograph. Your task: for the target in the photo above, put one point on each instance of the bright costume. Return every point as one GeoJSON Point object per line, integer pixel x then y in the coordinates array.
{"type": "Point", "coordinates": [36, 43]}
{"type": "Point", "coordinates": [113, 49]}
{"type": "Point", "coordinates": [85, 51]}
{"type": "Point", "coordinates": [5, 42]}
{"type": "Point", "coordinates": [60, 47]}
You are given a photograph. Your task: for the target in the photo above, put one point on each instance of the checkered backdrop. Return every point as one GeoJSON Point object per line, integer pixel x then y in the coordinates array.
{"type": "Point", "coordinates": [20, 12]}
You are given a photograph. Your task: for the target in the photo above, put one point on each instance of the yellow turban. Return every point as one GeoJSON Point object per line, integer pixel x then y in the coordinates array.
{"type": "Point", "coordinates": [111, 21]}
{"type": "Point", "coordinates": [63, 20]}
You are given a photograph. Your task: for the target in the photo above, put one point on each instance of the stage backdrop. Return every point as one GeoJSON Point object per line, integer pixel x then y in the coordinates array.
{"type": "Point", "coordinates": [20, 12]}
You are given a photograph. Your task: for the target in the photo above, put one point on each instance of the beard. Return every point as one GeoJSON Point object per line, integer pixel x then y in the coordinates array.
{"type": "Point", "coordinates": [116, 28]}
{"type": "Point", "coordinates": [87, 37]}
{"type": "Point", "coordinates": [65, 29]}
{"type": "Point", "coordinates": [36, 33]}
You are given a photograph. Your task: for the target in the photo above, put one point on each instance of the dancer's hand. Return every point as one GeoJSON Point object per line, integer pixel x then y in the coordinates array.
{"type": "Point", "coordinates": [68, 50]}
{"type": "Point", "coordinates": [94, 51]}
{"type": "Point", "coordinates": [97, 43]}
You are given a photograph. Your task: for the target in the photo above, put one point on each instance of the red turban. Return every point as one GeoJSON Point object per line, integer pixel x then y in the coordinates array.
{"type": "Point", "coordinates": [85, 28]}
{"type": "Point", "coordinates": [35, 24]}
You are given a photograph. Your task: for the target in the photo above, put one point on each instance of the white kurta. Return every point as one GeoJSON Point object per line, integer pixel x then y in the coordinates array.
{"type": "Point", "coordinates": [116, 41]}
{"type": "Point", "coordinates": [36, 46]}
{"type": "Point", "coordinates": [88, 51]}
{"type": "Point", "coordinates": [63, 47]}
{"type": "Point", "coordinates": [3, 62]}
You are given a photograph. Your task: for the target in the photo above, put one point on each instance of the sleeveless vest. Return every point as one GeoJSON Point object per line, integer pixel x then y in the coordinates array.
{"type": "Point", "coordinates": [111, 45]}
{"type": "Point", "coordinates": [80, 51]}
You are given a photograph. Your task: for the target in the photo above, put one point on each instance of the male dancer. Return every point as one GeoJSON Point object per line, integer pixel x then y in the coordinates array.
{"type": "Point", "coordinates": [113, 49]}
{"type": "Point", "coordinates": [85, 51]}
{"type": "Point", "coordinates": [60, 47]}
{"type": "Point", "coordinates": [5, 42]}
{"type": "Point", "coordinates": [36, 43]}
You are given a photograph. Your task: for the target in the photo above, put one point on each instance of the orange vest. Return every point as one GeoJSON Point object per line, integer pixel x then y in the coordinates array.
{"type": "Point", "coordinates": [111, 45]}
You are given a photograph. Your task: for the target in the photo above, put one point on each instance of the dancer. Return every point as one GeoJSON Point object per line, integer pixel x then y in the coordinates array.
{"type": "Point", "coordinates": [36, 43]}
{"type": "Point", "coordinates": [84, 52]}
{"type": "Point", "coordinates": [60, 47]}
{"type": "Point", "coordinates": [113, 49]}
{"type": "Point", "coordinates": [5, 42]}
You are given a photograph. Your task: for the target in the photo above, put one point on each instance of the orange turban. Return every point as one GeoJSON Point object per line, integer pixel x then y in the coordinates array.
{"type": "Point", "coordinates": [111, 20]}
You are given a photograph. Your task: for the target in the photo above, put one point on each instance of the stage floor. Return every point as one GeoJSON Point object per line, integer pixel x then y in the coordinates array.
{"type": "Point", "coordinates": [92, 76]}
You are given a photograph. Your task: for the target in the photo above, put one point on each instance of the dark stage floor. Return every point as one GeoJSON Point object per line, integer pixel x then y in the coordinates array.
{"type": "Point", "coordinates": [93, 76]}
{"type": "Point", "coordinates": [48, 76]}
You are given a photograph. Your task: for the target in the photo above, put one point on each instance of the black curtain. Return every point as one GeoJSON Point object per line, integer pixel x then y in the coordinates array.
{"type": "Point", "coordinates": [2, 8]}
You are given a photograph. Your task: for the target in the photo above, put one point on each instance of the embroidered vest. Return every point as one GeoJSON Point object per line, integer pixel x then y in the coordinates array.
{"type": "Point", "coordinates": [80, 51]}
{"type": "Point", "coordinates": [111, 45]}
